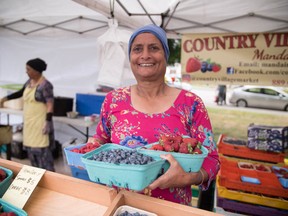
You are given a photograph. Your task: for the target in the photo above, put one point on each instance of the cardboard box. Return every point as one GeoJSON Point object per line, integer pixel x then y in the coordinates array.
{"type": "Point", "coordinates": [88, 104]}
{"type": "Point", "coordinates": [267, 138]}
{"type": "Point", "coordinates": [154, 205]}
{"type": "Point", "coordinates": [5, 134]}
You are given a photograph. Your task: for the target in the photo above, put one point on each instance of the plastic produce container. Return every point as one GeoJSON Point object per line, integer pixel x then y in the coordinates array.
{"type": "Point", "coordinates": [132, 210]}
{"type": "Point", "coordinates": [133, 177]}
{"type": "Point", "coordinates": [5, 184]}
{"type": "Point", "coordinates": [73, 158]}
{"type": "Point", "coordinates": [279, 171]}
{"type": "Point", "coordinates": [7, 207]}
{"type": "Point", "coordinates": [189, 162]}
{"type": "Point", "coordinates": [79, 173]}
{"type": "Point", "coordinates": [262, 168]}
{"type": "Point", "coordinates": [246, 165]}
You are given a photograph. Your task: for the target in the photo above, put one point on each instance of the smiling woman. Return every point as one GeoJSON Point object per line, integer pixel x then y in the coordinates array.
{"type": "Point", "coordinates": [138, 115]}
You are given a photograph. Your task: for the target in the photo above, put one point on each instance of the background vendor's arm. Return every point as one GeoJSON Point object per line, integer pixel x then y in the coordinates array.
{"type": "Point", "coordinates": [50, 106]}
{"type": "Point", "coordinates": [14, 95]}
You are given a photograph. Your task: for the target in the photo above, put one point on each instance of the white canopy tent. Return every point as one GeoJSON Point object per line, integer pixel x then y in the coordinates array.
{"type": "Point", "coordinates": [64, 32]}
{"type": "Point", "coordinates": [191, 16]}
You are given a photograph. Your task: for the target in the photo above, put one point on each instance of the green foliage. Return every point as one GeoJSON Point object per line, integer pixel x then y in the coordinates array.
{"type": "Point", "coordinates": [175, 51]}
{"type": "Point", "coordinates": [12, 86]}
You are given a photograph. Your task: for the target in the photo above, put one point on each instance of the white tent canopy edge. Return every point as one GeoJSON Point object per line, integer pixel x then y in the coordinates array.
{"type": "Point", "coordinates": [64, 32]}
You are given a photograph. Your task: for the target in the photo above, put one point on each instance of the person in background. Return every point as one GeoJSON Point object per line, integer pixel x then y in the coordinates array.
{"type": "Point", "coordinates": [136, 115]}
{"type": "Point", "coordinates": [38, 99]}
{"type": "Point", "coordinates": [221, 94]}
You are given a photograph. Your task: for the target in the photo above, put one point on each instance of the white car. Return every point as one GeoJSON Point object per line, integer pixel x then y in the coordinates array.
{"type": "Point", "coordinates": [260, 96]}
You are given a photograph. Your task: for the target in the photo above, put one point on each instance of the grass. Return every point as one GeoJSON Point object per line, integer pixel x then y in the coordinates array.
{"type": "Point", "coordinates": [12, 86]}
{"type": "Point", "coordinates": [234, 123]}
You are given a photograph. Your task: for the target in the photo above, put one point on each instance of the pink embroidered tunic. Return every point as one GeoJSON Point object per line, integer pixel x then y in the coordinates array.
{"type": "Point", "coordinates": [122, 124]}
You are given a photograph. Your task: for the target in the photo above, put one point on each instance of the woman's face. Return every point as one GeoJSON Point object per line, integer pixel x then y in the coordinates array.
{"type": "Point", "coordinates": [32, 74]}
{"type": "Point", "coordinates": [147, 57]}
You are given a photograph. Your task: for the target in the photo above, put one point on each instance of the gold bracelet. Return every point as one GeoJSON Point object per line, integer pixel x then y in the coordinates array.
{"type": "Point", "coordinates": [202, 175]}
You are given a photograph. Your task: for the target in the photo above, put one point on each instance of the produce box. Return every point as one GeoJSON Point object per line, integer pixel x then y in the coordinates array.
{"type": "Point", "coordinates": [7, 207]}
{"type": "Point", "coordinates": [250, 209]}
{"type": "Point", "coordinates": [150, 204]}
{"type": "Point", "coordinates": [252, 198]}
{"type": "Point", "coordinates": [241, 151]}
{"type": "Point", "coordinates": [5, 184]}
{"type": "Point", "coordinates": [129, 176]}
{"type": "Point", "coordinates": [267, 138]}
{"type": "Point", "coordinates": [189, 162]}
{"type": "Point", "coordinates": [88, 104]}
{"type": "Point", "coordinates": [6, 134]}
{"type": "Point", "coordinates": [257, 181]}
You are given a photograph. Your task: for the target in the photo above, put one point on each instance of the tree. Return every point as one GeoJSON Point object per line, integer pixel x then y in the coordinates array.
{"type": "Point", "coordinates": [175, 51]}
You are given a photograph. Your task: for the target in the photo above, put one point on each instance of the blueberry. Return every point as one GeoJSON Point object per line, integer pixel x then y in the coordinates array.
{"type": "Point", "coordinates": [209, 67]}
{"type": "Point", "coordinates": [204, 66]}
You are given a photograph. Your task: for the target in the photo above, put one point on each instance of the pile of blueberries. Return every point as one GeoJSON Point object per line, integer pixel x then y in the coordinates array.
{"type": "Point", "coordinates": [122, 156]}
{"type": "Point", "coordinates": [126, 213]}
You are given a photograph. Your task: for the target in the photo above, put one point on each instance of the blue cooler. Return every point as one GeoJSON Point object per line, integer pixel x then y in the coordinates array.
{"type": "Point", "coordinates": [88, 104]}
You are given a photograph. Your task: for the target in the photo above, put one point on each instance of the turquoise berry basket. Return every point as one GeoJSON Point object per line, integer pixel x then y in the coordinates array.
{"type": "Point", "coordinates": [5, 184]}
{"type": "Point", "coordinates": [7, 207]}
{"type": "Point", "coordinates": [189, 162]}
{"type": "Point", "coordinates": [73, 158]}
{"type": "Point", "coordinates": [132, 177]}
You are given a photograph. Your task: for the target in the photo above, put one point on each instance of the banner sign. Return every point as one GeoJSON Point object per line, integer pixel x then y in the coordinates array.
{"type": "Point", "coordinates": [235, 59]}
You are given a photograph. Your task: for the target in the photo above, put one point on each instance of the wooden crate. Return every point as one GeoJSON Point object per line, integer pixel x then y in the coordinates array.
{"type": "Point", "coordinates": [154, 205]}
{"type": "Point", "coordinates": [58, 194]}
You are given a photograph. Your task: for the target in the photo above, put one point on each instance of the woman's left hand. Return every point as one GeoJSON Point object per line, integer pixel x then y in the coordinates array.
{"type": "Point", "coordinates": [48, 127]}
{"type": "Point", "coordinates": [175, 176]}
